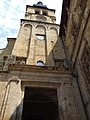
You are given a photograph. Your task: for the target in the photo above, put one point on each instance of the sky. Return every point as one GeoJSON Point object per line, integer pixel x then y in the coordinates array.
{"type": "Point", "coordinates": [11, 11]}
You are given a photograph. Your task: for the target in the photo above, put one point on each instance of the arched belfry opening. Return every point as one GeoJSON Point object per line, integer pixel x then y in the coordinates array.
{"type": "Point", "coordinates": [40, 104]}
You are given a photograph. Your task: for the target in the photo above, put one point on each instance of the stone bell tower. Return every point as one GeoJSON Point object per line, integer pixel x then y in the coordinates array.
{"type": "Point", "coordinates": [37, 36]}
{"type": "Point", "coordinates": [35, 80]}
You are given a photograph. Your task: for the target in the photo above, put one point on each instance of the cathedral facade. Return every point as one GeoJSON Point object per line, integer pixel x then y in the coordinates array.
{"type": "Point", "coordinates": [45, 71]}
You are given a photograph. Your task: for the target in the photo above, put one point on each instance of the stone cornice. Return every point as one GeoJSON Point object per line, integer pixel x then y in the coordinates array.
{"type": "Point", "coordinates": [46, 69]}
{"type": "Point", "coordinates": [38, 22]}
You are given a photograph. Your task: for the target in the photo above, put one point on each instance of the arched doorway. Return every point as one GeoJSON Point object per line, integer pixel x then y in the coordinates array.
{"type": "Point", "coordinates": [40, 104]}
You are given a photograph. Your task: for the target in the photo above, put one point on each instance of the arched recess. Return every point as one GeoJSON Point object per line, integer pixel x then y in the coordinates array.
{"type": "Point", "coordinates": [27, 24]}
{"type": "Point", "coordinates": [41, 29]}
{"type": "Point", "coordinates": [54, 29]}
{"type": "Point", "coordinates": [52, 37]}
{"type": "Point", "coordinates": [27, 31]}
{"type": "Point", "coordinates": [40, 42]}
{"type": "Point", "coordinates": [23, 40]}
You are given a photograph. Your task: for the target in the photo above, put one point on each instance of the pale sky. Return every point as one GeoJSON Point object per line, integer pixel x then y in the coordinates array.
{"type": "Point", "coordinates": [11, 11]}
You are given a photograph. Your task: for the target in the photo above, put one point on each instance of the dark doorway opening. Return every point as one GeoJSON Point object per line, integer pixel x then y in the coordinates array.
{"type": "Point", "coordinates": [40, 104]}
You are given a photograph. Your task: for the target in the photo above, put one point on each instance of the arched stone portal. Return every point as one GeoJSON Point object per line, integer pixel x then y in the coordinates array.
{"type": "Point", "coordinates": [40, 104]}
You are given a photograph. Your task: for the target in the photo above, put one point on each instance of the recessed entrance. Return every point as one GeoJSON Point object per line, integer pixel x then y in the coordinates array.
{"type": "Point", "coordinates": [40, 104]}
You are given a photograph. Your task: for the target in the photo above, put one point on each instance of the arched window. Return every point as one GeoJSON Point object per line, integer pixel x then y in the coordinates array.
{"type": "Point", "coordinates": [40, 63]}
{"type": "Point", "coordinates": [37, 12]}
{"type": "Point", "coordinates": [44, 13]}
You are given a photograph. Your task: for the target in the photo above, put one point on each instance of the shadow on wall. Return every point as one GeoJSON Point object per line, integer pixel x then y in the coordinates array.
{"type": "Point", "coordinates": [54, 55]}
{"type": "Point", "coordinates": [17, 113]}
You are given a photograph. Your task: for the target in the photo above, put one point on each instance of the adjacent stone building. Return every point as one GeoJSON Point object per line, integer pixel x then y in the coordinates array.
{"type": "Point", "coordinates": [75, 33]}
{"type": "Point", "coordinates": [44, 72]}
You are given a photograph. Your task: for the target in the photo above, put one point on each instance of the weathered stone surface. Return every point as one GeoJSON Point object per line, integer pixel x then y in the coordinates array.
{"type": "Point", "coordinates": [66, 61]}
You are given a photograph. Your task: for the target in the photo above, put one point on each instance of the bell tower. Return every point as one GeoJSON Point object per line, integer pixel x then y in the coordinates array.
{"type": "Point", "coordinates": [38, 35]}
